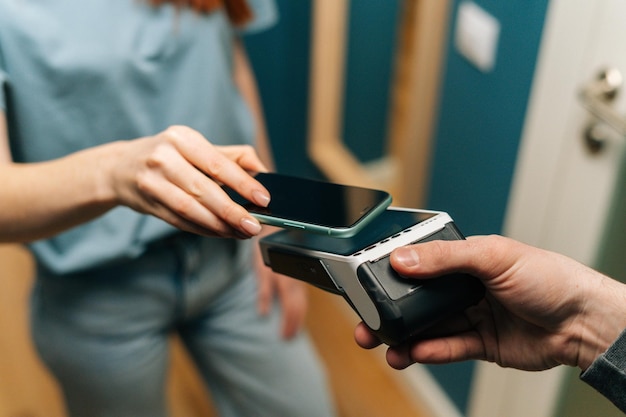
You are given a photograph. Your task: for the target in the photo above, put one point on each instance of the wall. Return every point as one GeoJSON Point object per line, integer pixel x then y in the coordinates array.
{"type": "Point", "coordinates": [481, 119]}
{"type": "Point", "coordinates": [280, 58]}
{"type": "Point", "coordinates": [477, 136]}
{"type": "Point", "coordinates": [372, 37]}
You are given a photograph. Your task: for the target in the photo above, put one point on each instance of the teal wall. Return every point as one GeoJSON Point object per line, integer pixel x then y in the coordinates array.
{"type": "Point", "coordinates": [372, 36]}
{"type": "Point", "coordinates": [477, 133]}
{"type": "Point", "coordinates": [477, 137]}
{"type": "Point", "coordinates": [280, 57]}
{"type": "Point", "coordinates": [481, 119]}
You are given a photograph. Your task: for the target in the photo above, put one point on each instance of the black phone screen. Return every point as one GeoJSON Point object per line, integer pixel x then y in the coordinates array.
{"type": "Point", "coordinates": [306, 202]}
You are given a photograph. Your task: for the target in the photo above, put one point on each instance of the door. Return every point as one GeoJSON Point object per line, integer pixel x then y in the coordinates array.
{"type": "Point", "coordinates": [565, 192]}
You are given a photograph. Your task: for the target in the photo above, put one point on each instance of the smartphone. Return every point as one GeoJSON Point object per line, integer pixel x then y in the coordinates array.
{"type": "Point", "coordinates": [315, 206]}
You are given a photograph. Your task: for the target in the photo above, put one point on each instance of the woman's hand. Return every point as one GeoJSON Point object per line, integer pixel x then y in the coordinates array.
{"type": "Point", "coordinates": [177, 176]}
{"type": "Point", "coordinates": [542, 309]}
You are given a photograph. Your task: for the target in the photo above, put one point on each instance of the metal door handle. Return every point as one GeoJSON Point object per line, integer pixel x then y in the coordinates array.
{"type": "Point", "coordinates": [597, 97]}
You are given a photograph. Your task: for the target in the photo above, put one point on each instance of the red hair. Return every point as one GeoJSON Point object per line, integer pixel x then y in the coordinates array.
{"type": "Point", "coordinates": [238, 10]}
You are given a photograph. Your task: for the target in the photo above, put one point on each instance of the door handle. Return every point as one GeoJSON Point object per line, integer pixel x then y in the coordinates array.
{"type": "Point", "coordinates": [597, 97]}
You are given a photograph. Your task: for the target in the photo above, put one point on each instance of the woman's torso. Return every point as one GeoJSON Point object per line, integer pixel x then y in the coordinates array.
{"type": "Point", "coordinates": [79, 74]}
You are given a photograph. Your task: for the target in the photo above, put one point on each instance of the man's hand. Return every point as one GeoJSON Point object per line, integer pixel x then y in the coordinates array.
{"type": "Point", "coordinates": [542, 309]}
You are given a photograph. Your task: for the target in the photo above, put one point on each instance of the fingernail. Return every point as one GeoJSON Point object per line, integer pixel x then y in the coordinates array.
{"type": "Point", "coordinates": [251, 226]}
{"type": "Point", "coordinates": [407, 257]}
{"type": "Point", "coordinates": [260, 198]}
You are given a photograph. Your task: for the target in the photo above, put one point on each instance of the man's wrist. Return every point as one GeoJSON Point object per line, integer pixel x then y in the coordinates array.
{"type": "Point", "coordinates": [603, 319]}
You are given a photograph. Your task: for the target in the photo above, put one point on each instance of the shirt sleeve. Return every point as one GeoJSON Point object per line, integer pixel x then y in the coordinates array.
{"type": "Point", "coordinates": [607, 374]}
{"type": "Point", "coordinates": [265, 15]}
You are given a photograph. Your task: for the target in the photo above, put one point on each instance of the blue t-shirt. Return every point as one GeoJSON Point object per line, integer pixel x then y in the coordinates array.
{"type": "Point", "coordinates": [75, 74]}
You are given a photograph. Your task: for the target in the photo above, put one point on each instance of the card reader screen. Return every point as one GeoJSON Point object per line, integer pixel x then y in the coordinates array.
{"type": "Point", "coordinates": [386, 225]}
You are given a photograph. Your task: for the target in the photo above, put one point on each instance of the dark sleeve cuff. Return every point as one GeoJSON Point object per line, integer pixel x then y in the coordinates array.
{"type": "Point", "coordinates": [607, 374]}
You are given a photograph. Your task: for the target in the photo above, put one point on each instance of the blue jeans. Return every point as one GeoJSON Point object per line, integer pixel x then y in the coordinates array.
{"type": "Point", "coordinates": [104, 335]}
